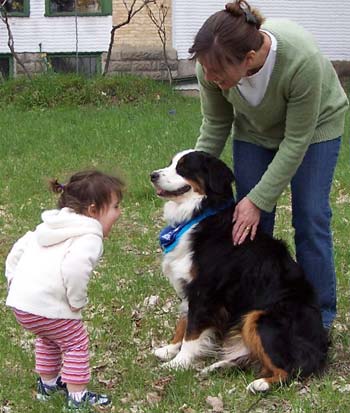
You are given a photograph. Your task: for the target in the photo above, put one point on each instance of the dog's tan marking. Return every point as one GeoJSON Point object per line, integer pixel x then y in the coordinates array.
{"type": "Point", "coordinates": [193, 335]}
{"type": "Point", "coordinates": [193, 272]}
{"type": "Point", "coordinates": [197, 186]}
{"type": "Point", "coordinates": [251, 338]}
{"type": "Point", "coordinates": [180, 330]}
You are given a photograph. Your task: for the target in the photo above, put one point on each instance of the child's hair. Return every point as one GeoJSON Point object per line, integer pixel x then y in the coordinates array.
{"type": "Point", "coordinates": [86, 188]}
{"type": "Point", "coordinates": [228, 35]}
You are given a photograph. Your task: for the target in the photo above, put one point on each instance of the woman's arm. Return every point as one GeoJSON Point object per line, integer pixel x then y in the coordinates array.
{"type": "Point", "coordinates": [301, 121]}
{"type": "Point", "coordinates": [217, 115]}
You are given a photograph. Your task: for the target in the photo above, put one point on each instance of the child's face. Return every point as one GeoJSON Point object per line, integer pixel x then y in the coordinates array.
{"type": "Point", "coordinates": [109, 214]}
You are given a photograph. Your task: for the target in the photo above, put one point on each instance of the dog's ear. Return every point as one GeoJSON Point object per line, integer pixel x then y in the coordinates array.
{"type": "Point", "coordinates": [211, 173]}
{"type": "Point", "coordinates": [219, 177]}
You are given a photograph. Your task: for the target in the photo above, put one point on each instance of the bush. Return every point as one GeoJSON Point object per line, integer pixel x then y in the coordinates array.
{"type": "Point", "coordinates": [57, 90]}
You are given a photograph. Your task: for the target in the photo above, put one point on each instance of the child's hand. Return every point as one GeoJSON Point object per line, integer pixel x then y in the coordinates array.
{"type": "Point", "coordinates": [74, 309]}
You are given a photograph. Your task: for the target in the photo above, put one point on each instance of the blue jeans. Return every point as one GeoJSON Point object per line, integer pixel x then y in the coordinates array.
{"type": "Point", "coordinates": [311, 211]}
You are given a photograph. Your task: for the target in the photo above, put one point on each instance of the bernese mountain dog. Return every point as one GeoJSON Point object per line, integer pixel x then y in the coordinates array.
{"type": "Point", "coordinates": [244, 303]}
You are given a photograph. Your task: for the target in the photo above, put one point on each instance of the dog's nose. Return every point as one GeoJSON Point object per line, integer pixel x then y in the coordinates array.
{"type": "Point", "coordinates": [154, 176]}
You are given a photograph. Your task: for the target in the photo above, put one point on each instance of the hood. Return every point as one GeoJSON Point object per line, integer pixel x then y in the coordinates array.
{"type": "Point", "coordinates": [61, 224]}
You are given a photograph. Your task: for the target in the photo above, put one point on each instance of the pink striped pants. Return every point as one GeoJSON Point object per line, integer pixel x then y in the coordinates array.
{"type": "Point", "coordinates": [61, 347]}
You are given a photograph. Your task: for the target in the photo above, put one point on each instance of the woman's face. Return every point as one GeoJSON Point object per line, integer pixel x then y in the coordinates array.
{"type": "Point", "coordinates": [225, 78]}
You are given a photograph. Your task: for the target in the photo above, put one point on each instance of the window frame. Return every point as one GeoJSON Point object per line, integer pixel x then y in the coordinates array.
{"type": "Point", "coordinates": [98, 55]}
{"type": "Point", "coordinates": [106, 10]}
{"type": "Point", "coordinates": [24, 13]}
{"type": "Point", "coordinates": [11, 63]}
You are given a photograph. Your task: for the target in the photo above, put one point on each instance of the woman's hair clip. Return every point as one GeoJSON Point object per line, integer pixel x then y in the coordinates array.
{"type": "Point", "coordinates": [250, 18]}
{"type": "Point", "coordinates": [61, 186]}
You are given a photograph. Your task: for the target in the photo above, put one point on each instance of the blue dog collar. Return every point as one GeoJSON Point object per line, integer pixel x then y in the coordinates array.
{"type": "Point", "coordinates": [170, 236]}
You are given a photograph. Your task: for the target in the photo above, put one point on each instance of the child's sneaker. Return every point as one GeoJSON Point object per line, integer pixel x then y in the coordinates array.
{"type": "Point", "coordinates": [89, 399]}
{"type": "Point", "coordinates": [44, 391]}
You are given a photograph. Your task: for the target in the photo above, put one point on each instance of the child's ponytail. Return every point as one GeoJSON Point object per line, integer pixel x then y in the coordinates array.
{"type": "Point", "coordinates": [86, 188]}
{"type": "Point", "coordinates": [55, 186]}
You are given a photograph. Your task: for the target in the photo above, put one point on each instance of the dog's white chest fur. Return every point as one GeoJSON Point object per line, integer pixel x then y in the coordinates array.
{"type": "Point", "coordinates": [177, 264]}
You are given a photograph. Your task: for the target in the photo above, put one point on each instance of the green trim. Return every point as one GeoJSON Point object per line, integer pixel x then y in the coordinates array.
{"type": "Point", "coordinates": [11, 68]}
{"type": "Point", "coordinates": [24, 13]}
{"type": "Point", "coordinates": [107, 7]}
{"type": "Point", "coordinates": [106, 10]}
{"type": "Point", "coordinates": [11, 65]}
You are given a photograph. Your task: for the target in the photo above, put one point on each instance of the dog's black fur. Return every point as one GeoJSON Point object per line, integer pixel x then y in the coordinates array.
{"type": "Point", "coordinates": [255, 288]}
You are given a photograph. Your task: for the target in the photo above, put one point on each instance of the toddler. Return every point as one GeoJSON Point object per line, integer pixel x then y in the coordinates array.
{"type": "Point", "coordinates": [48, 271]}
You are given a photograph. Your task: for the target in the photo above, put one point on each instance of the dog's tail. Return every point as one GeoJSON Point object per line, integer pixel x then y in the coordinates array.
{"type": "Point", "coordinates": [209, 346]}
{"type": "Point", "coordinates": [234, 349]}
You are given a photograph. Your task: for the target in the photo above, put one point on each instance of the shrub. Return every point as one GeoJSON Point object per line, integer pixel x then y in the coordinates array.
{"type": "Point", "coordinates": [57, 90]}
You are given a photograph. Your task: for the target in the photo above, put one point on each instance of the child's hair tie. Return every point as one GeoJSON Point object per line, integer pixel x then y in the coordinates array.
{"type": "Point", "coordinates": [57, 186]}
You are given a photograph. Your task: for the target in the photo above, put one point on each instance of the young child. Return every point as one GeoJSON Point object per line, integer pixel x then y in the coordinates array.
{"type": "Point", "coordinates": [48, 271]}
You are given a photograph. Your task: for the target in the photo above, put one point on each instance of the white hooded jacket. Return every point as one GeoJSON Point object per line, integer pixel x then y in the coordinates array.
{"type": "Point", "coordinates": [48, 270]}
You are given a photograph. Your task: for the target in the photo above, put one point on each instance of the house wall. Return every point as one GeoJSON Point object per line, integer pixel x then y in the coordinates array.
{"type": "Point", "coordinates": [56, 34]}
{"type": "Point", "coordinates": [327, 20]}
{"type": "Point", "coordinates": [137, 47]}
{"type": "Point", "coordinates": [140, 32]}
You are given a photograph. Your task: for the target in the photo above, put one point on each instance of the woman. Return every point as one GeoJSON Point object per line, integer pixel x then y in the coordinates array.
{"type": "Point", "coordinates": [283, 99]}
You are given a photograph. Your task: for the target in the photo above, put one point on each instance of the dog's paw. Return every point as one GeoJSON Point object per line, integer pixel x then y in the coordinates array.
{"type": "Point", "coordinates": [178, 363]}
{"type": "Point", "coordinates": [167, 352]}
{"type": "Point", "coordinates": [259, 385]}
{"type": "Point", "coordinates": [208, 369]}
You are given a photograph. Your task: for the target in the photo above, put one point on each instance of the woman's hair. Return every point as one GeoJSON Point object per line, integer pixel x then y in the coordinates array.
{"type": "Point", "coordinates": [228, 35]}
{"type": "Point", "coordinates": [86, 188]}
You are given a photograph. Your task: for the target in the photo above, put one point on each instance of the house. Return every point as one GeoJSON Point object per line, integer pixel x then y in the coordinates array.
{"type": "Point", "coordinates": [51, 32]}
{"type": "Point", "coordinates": [74, 35]}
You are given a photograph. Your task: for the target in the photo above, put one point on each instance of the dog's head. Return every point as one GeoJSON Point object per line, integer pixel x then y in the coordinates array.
{"type": "Point", "coordinates": [194, 180]}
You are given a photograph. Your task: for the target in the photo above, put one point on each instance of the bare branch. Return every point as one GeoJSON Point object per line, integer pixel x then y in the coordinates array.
{"type": "Point", "coordinates": [10, 42]}
{"type": "Point", "coordinates": [131, 13]}
{"type": "Point", "coordinates": [160, 23]}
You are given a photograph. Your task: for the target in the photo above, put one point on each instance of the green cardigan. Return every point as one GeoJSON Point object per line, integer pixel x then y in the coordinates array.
{"type": "Point", "coordinates": [304, 103]}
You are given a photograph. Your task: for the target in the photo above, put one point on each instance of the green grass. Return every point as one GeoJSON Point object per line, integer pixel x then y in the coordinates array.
{"type": "Point", "coordinates": [136, 138]}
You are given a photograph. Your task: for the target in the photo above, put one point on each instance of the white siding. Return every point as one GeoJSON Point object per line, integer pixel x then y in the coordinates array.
{"type": "Point", "coordinates": [327, 20]}
{"type": "Point", "coordinates": [56, 34]}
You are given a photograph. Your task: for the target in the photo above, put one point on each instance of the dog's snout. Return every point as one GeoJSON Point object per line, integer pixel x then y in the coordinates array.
{"type": "Point", "coordinates": [154, 176]}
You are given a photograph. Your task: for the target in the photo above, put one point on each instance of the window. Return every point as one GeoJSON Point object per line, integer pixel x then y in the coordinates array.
{"type": "Point", "coordinates": [82, 7]}
{"type": "Point", "coordinates": [6, 66]}
{"type": "Point", "coordinates": [17, 8]}
{"type": "Point", "coordinates": [87, 64]}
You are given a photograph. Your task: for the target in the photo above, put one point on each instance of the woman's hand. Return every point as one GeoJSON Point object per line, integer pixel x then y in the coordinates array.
{"type": "Point", "coordinates": [74, 309]}
{"type": "Point", "coordinates": [246, 219]}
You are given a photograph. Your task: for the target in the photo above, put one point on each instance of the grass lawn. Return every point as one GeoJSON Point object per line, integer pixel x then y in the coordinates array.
{"type": "Point", "coordinates": [124, 324]}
